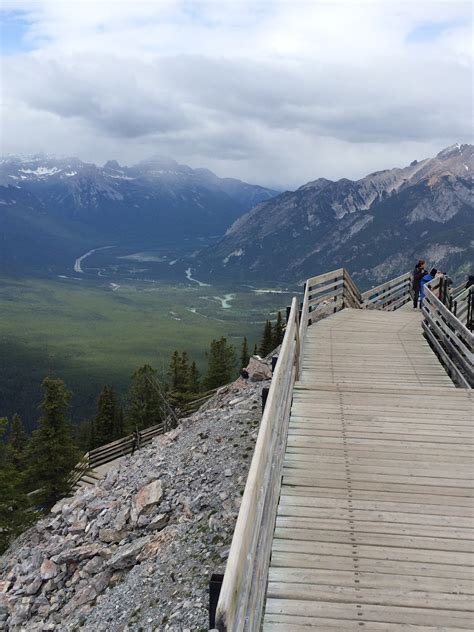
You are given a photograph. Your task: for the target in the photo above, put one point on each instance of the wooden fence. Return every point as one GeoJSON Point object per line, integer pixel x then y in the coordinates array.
{"type": "Point", "coordinates": [115, 449]}
{"type": "Point", "coordinates": [448, 334]}
{"type": "Point", "coordinates": [243, 590]}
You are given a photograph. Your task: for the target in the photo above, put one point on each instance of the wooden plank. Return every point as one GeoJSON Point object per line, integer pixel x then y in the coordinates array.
{"type": "Point", "coordinates": [354, 535]}
{"type": "Point", "coordinates": [370, 579]}
{"type": "Point", "coordinates": [285, 559]}
{"type": "Point", "coordinates": [300, 623]}
{"type": "Point", "coordinates": [373, 596]}
{"type": "Point", "coordinates": [420, 526]}
{"type": "Point", "coordinates": [372, 552]}
{"type": "Point", "coordinates": [393, 614]}
{"type": "Point", "coordinates": [377, 499]}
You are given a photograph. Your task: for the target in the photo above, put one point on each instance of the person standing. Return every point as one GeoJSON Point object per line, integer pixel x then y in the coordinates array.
{"type": "Point", "coordinates": [426, 278]}
{"type": "Point", "coordinates": [418, 274]}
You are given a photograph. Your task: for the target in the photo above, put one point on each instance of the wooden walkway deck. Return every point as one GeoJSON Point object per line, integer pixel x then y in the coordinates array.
{"type": "Point", "coordinates": [375, 519]}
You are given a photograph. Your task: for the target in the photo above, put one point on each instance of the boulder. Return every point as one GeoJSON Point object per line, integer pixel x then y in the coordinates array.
{"type": "Point", "coordinates": [126, 555]}
{"type": "Point", "coordinates": [79, 553]}
{"type": "Point", "coordinates": [145, 499]}
{"type": "Point", "coordinates": [48, 570]}
{"type": "Point", "coordinates": [33, 585]}
{"type": "Point", "coordinates": [111, 535]}
{"type": "Point", "coordinates": [258, 370]}
{"type": "Point", "coordinates": [158, 522]}
{"type": "Point", "coordinates": [83, 596]}
{"type": "Point", "coordinates": [101, 581]}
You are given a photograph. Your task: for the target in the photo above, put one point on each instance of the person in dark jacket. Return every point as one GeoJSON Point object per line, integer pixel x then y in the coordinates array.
{"type": "Point", "coordinates": [470, 282]}
{"type": "Point", "coordinates": [426, 278]}
{"type": "Point", "coordinates": [418, 273]}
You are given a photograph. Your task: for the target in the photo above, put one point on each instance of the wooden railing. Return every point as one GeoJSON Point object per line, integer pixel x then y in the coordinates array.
{"type": "Point", "coordinates": [112, 451]}
{"type": "Point", "coordinates": [461, 305]}
{"type": "Point", "coordinates": [448, 334]}
{"type": "Point", "coordinates": [390, 295]}
{"type": "Point", "coordinates": [243, 590]}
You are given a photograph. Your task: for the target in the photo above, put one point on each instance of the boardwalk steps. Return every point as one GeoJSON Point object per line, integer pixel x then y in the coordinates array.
{"type": "Point", "coordinates": [372, 518]}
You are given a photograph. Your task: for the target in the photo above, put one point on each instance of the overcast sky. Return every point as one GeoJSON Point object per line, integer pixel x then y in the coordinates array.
{"type": "Point", "coordinates": [273, 92]}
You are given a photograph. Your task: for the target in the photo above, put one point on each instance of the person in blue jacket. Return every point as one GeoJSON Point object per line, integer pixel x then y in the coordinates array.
{"type": "Point", "coordinates": [426, 279]}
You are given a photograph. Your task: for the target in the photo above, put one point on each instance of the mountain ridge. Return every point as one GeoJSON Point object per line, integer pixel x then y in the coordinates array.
{"type": "Point", "coordinates": [354, 224]}
{"type": "Point", "coordinates": [153, 202]}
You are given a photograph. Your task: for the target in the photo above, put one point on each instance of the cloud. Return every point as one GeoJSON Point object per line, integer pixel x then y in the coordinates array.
{"type": "Point", "coordinates": [275, 92]}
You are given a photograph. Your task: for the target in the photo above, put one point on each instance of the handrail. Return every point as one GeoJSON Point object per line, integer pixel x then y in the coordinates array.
{"type": "Point", "coordinates": [449, 336]}
{"type": "Point", "coordinates": [390, 295]}
{"type": "Point", "coordinates": [243, 590]}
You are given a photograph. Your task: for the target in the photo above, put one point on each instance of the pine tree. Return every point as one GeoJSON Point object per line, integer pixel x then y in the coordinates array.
{"type": "Point", "coordinates": [193, 384]}
{"type": "Point", "coordinates": [52, 453]}
{"type": "Point", "coordinates": [178, 372]}
{"type": "Point", "coordinates": [15, 511]}
{"type": "Point", "coordinates": [266, 345]}
{"type": "Point", "coordinates": [144, 401]}
{"type": "Point", "coordinates": [174, 371]}
{"type": "Point", "coordinates": [17, 443]}
{"type": "Point", "coordinates": [221, 363]}
{"type": "Point", "coordinates": [184, 372]}
{"type": "Point", "coordinates": [278, 333]}
{"type": "Point", "coordinates": [119, 425]}
{"type": "Point", "coordinates": [106, 417]}
{"type": "Point", "coordinates": [244, 355]}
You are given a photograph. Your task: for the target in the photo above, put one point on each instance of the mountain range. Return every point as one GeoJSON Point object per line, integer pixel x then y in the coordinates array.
{"type": "Point", "coordinates": [376, 226]}
{"type": "Point", "coordinates": [51, 208]}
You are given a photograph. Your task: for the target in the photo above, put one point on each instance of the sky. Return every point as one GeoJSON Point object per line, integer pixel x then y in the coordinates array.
{"type": "Point", "coordinates": [273, 92]}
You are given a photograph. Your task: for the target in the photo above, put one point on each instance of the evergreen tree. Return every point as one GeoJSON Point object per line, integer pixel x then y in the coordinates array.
{"type": "Point", "coordinates": [106, 421]}
{"type": "Point", "coordinates": [184, 372]}
{"type": "Point", "coordinates": [52, 453]}
{"type": "Point", "coordinates": [17, 443]}
{"type": "Point", "coordinates": [244, 355]}
{"type": "Point", "coordinates": [221, 363]}
{"type": "Point", "coordinates": [266, 344]}
{"type": "Point", "coordinates": [144, 400]}
{"type": "Point", "coordinates": [278, 333]}
{"type": "Point", "coordinates": [15, 512]}
{"type": "Point", "coordinates": [119, 425]}
{"type": "Point", "coordinates": [178, 371]}
{"type": "Point", "coordinates": [193, 384]}
{"type": "Point", "coordinates": [174, 371]}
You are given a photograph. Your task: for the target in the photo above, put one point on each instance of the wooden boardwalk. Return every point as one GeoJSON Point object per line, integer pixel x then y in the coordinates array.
{"type": "Point", "coordinates": [375, 519]}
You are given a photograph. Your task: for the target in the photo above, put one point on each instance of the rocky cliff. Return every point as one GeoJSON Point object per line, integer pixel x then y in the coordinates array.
{"type": "Point", "coordinates": [135, 552]}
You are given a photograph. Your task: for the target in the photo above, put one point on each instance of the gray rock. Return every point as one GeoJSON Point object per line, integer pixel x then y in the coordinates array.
{"type": "Point", "coordinates": [145, 499]}
{"type": "Point", "coordinates": [93, 566]}
{"type": "Point", "coordinates": [126, 555]}
{"type": "Point", "coordinates": [33, 585]}
{"type": "Point", "coordinates": [158, 522]}
{"type": "Point", "coordinates": [48, 569]}
{"type": "Point", "coordinates": [111, 535]}
{"type": "Point", "coordinates": [83, 596]}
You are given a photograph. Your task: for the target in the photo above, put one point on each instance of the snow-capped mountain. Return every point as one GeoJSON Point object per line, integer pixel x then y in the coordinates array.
{"type": "Point", "coordinates": [375, 226]}
{"type": "Point", "coordinates": [48, 205]}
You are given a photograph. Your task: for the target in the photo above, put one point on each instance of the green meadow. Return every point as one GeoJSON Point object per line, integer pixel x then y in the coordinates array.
{"type": "Point", "coordinates": [91, 333]}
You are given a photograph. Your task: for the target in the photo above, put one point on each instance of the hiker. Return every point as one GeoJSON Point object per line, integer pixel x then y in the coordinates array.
{"type": "Point", "coordinates": [135, 441]}
{"type": "Point", "coordinates": [426, 278]}
{"type": "Point", "coordinates": [418, 274]}
{"type": "Point", "coordinates": [470, 282]}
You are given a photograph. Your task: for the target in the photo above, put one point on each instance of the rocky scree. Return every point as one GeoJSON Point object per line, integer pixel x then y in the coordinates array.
{"type": "Point", "coordinates": [135, 552]}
